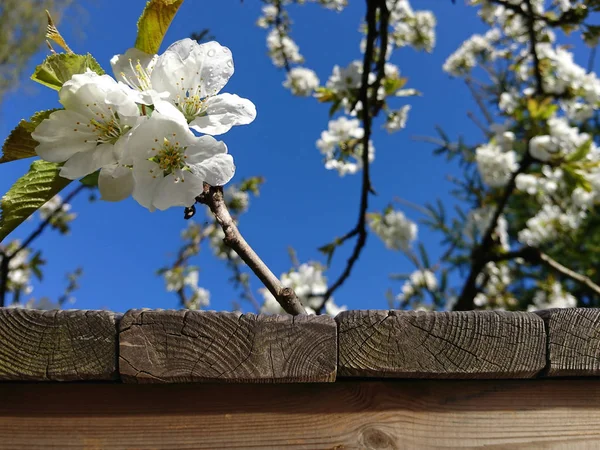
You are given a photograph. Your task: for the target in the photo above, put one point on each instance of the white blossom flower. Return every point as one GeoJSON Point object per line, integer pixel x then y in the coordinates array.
{"type": "Point", "coordinates": [396, 121]}
{"type": "Point", "coordinates": [556, 298]}
{"type": "Point", "coordinates": [478, 222]}
{"type": "Point", "coordinates": [508, 102]}
{"type": "Point", "coordinates": [342, 146]}
{"type": "Point", "coordinates": [464, 59]}
{"type": "Point", "coordinates": [90, 133]}
{"type": "Point", "coordinates": [395, 230]}
{"type": "Point", "coordinates": [549, 224]}
{"type": "Point", "coordinates": [282, 48]}
{"type": "Point", "coordinates": [51, 207]}
{"type": "Point", "coordinates": [193, 75]}
{"type": "Point", "coordinates": [170, 164]}
{"type": "Point", "coordinates": [301, 81]}
{"type": "Point", "coordinates": [495, 165]}
{"type": "Point", "coordinates": [134, 68]}
{"type": "Point", "coordinates": [345, 79]}
{"type": "Point", "coordinates": [418, 280]}
{"type": "Point", "coordinates": [308, 283]}
{"type": "Point", "coordinates": [269, 14]}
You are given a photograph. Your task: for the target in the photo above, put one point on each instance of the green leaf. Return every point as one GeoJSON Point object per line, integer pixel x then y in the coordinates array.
{"type": "Point", "coordinates": [154, 23]}
{"type": "Point", "coordinates": [29, 192]}
{"type": "Point", "coordinates": [91, 180]}
{"type": "Point", "coordinates": [424, 256]}
{"type": "Point", "coordinates": [19, 144]}
{"type": "Point", "coordinates": [580, 153]}
{"type": "Point", "coordinates": [60, 67]}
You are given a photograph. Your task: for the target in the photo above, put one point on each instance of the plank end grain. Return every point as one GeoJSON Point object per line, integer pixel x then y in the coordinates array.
{"type": "Point", "coordinates": [573, 341]}
{"type": "Point", "coordinates": [69, 345]}
{"type": "Point", "coordinates": [419, 344]}
{"type": "Point", "coordinates": [206, 346]}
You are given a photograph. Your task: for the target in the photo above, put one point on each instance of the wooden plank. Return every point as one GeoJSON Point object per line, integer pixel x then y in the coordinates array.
{"type": "Point", "coordinates": [184, 346]}
{"type": "Point", "coordinates": [573, 341]}
{"type": "Point", "coordinates": [419, 344]}
{"type": "Point", "coordinates": [404, 414]}
{"type": "Point", "coordinates": [57, 345]}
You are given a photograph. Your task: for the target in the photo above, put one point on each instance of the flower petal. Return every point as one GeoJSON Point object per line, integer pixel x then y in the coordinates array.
{"type": "Point", "coordinates": [115, 183]}
{"type": "Point", "coordinates": [216, 171]}
{"type": "Point", "coordinates": [222, 112]}
{"type": "Point", "coordinates": [62, 135]}
{"type": "Point", "coordinates": [177, 193]}
{"type": "Point", "coordinates": [188, 67]}
{"type": "Point", "coordinates": [146, 183]}
{"type": "Point", "coordinates": [147, 138]}
{"type": "Point", "coordinates": [84, 163]}
{"type": "Point", "coordinates": [132, 67]}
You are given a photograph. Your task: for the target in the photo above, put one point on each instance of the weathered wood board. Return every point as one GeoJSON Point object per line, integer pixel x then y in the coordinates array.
{"type": "Point", "coordinates": [400, 414]}
{"type": "Point", "coordinates": [185, 346]}
{"type": "Point", "coordinates": [419, 344]}
{"type": "Point", "coordinates": [57, 345]}
{"type": "Point", "coordinates": [573, 341]}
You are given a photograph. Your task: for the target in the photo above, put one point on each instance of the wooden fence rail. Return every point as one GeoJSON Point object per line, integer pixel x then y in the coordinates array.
{"type": "Point", "coordinates": [362, 380]}
{"type": "Point", "coordinates": [163, 346]}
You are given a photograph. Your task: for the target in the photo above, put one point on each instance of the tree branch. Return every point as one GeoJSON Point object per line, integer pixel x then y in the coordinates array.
{"type": "Point", "coordinates": [535, 256]}
{"type": "Point", "coordinates": [369, 110]}
{"type": "Point", "coordinates": [213, 198]}
{"type": "Point", "coordinates": [533, 42]}
{"type": "Point", "coordinates": [6, 258]}
{"type": "Point", "coordinates": [40, 229]}
{"type": "Point", "coordinates": [480, 254]}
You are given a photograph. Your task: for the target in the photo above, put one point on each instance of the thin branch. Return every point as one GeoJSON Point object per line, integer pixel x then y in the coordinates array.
{"type": "Point", "coordinates": [535, 256]}
{"type": "Point", "coordinates": [480, 253]}
{"type": "Point", "coordinates": [6, 258]}
{"type": "Point", "coordinates": [40, 229]}
{"type": "Point", "coordinates": [213, 198]}
{"type": "Point", "coordinates": [367, 116]}
{"type": "Point", "coordinates": [278, 25]}
{"type": "Point", "coordinates": [558, 267]}
{"type": "Point", "coordinates": [477, 123]}
{"type": "Point", "coordinates": [479, 100]}
{"type": "Point", "coordinates": [533, 42]}
{"type": "Point", "coordinates": [4, 262]}
{"type": "Point", "coordinates": [238, 276]}
{"type": "Point", "coordinates": [592, 59]}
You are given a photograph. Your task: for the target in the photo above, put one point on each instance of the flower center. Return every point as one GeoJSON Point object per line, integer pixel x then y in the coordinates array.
{"type": "Point", "coordinates": [170, 158]}
{"type": "Point", "coordinates": [108, 131]}
{"type": "Point", "coordinates": [191, 106]}
{"type": "Point", "coordinates": [141, 77]}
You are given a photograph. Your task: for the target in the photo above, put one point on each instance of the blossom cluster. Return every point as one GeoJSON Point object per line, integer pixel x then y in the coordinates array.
{"type": "Point", "coordinates": [416, 282]}
{"type": "Point", "coordinates": [342, 146]}
{"type": "Point", "coordinates": [141, 129]}
{"type": "Point", "coordinates": [395, 230]}
{"type": "Point", "coordinates": [177, 279]}
{"type": "Point", "coordinates": [309, 284]}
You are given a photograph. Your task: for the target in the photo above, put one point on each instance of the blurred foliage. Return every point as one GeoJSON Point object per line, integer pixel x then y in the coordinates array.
{"type": "Point", "coordinates": [22, 33]}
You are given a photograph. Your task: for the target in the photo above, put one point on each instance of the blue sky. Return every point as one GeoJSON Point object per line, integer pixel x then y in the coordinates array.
{"type": "Point", "coordinates": [120, 246]}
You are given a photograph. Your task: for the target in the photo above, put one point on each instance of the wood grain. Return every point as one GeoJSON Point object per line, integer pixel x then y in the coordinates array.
{"type": "Point", "coordinates": [404, 414]}
{"type": "Point", "coordinates": [185, 346]}
{"type": "Point", "coordinates": [419, 344]}
{"type": "Point", "coordinates": [57, 345]}
{"type": "Point", "coordinates": [573, 341]}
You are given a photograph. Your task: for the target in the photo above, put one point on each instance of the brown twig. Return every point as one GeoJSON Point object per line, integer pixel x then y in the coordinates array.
{"type": "Point", "coordinates": [480, 103]}
{"type": "Point", "coordinates": [278, 25]}
{"type": "Point", "coordinates": [533, 42]}
{"type": "Point", "coordinates": [213, 198]}
{"type": "Point", "coordinates": [367, 116]}
{"type": "Point", "coordinates": [533, 255]}
{"type": "Point", "coordinates": [480, 254]}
